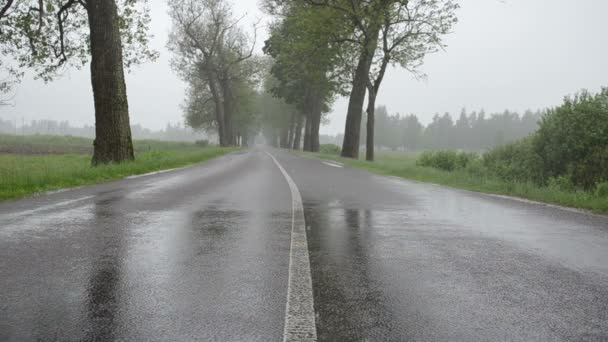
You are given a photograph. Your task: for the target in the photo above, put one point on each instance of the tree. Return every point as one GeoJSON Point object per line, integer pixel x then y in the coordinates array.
{"type": "Point", "coordinates": [409, 31]}
{"type": "Point", "coordinates": [212, 52]}
{"type": "Point", "coordinates": [383, 32]}
{"type": "Point", "coordinates": [572, 140]}
{"type": "Point", "coordinates": [8, 76]}
{"type": "Point", "coordinates": [304, 63]}
{"type": "Point", "coordinates": [463, 130]}
{"type": "Point", "coordinates": [48, 35]}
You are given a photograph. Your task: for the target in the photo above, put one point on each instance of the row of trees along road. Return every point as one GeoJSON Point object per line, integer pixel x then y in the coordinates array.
{"type": "Point", "coordinates": [50, 35]}
{"type": "Point", "coordinates": [213, 54]}
{"type": "Point", "coordinates": [322, 48]}
{"type": "Point", "coordinates": [316, 50]}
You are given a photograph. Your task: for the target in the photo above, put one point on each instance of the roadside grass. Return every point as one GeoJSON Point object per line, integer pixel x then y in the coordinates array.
{"type": "Point", "coordinates": [53, 144]}
{"type": "Point", "coordinates": [404, 165]}
{"type": "Point", "coordinates": [23, 175]}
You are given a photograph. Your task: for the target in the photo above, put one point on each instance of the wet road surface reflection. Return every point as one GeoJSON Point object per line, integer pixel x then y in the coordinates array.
{"type": "Point", "coordinates": [394, 260]}
{"type": "Point", "coordinates": [189, 257]}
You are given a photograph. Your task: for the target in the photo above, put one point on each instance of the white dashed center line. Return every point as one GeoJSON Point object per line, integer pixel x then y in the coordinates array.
{"type": "Point", "coordinates": [333, 164]}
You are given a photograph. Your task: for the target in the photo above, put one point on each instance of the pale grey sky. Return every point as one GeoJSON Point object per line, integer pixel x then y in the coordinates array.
{"type": "Point", "coordinates": [503, 54]}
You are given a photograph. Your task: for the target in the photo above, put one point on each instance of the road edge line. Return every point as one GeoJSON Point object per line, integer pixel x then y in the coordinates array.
{"type": "Point", "coordinates": [300, 322]}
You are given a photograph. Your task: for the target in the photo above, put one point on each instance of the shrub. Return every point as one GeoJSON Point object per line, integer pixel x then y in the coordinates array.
{"type": "Point", "coordinates": [562, 183]}
{"type": "Point", "coordinates": [573, 139]}
{"type": "Point", "coordinates": [601, 189]}
{"type": "Point", "coordinates": [446, 160]}
{"type": "Point", "coordinates": [516, 162]}
{"type": "Point", "coordinates": [330, 149]}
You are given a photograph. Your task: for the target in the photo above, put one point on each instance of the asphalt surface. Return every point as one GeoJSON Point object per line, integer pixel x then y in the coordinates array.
{"type": "Point", "coordinates": [203, 254]}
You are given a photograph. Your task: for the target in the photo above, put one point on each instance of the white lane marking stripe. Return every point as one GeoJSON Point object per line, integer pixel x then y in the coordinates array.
{"type": "Point", "coordinates": [155, 173]}
{"type": "Point", "coordinates": [332, 164]}
{"type": "Point", "coordinates": [299, 312]}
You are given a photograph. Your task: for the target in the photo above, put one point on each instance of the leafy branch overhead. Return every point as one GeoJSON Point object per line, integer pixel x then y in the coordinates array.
{"type": "Point", "coordinates": [49, 35]}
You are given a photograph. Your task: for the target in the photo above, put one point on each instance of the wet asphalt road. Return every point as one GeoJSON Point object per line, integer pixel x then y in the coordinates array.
{"type": "Point", "coordinates": [202, 254]}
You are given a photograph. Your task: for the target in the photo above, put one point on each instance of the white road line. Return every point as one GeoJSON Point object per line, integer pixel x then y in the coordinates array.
{"type": "Point", "coordinates": [332, 164]}
{"type": "Point", "coordinates": [299, 312]}
{"type": "Point", "coordinates": [156, 172]}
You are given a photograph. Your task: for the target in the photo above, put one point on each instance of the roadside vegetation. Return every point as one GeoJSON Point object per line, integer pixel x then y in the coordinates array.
{"type": "Point", "coordinates": [405, 165]}
{"type": "Point", "coordinates": [23, 172]}
{"type": "Point", "coordinates": [565, 162]}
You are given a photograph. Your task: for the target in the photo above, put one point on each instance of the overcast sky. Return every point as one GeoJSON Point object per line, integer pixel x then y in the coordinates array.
{"type": "Point", "coordinates": [503, 54]}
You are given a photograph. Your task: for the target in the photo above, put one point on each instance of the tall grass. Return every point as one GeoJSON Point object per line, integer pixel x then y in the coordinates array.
{"type": "Point", "coordinates": [25, 175]}
{"type": "Point", "coordinates": [404, 166]}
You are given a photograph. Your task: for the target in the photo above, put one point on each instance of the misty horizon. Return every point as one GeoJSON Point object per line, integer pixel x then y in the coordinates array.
{"type": "Point", "coordinates": [502, 55]}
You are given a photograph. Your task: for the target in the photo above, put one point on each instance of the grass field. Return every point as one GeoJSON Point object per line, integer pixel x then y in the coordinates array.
{"type": "Point", "coordinates": [52, 144]}
{"type": "Point", "coordinates": [23, 172]}
{"type": "Point", "coordinates": [404, 166]}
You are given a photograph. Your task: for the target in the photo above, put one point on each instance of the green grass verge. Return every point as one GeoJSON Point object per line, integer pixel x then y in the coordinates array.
{"type": "Point", "coordinates": [22, 175]}
{"type": "Point", "coordinates": [54, 144]}
{"type": "Point", "coordinates": [404, 166]}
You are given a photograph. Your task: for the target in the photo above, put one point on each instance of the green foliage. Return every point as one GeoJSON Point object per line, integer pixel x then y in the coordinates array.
{"type": "Point", "coordinates": [601, 190]}
{"type": "Point", "coordinates": [330, 149]}
{"type": "Point", "coordinates": [573, 139]}
{"type": "Point", "coordinates": [446, 160]}
{"type": "Point", "coordinates": [475, 177]}
{"type": "Point", "coordinates": [563, 183]}
{"type": "Point", "coordinates": [570, 149]}
{"type": "Point", "coordinates": [517, 162]}
{"type": "Point", "coordinates": [305, 60]}
{"type": "Point", "coordinates": [48, 35]}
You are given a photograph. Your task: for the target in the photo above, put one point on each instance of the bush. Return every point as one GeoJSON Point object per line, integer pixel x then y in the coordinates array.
{"type": "Point", "coordinates": [330, 149]}
{"type": "Point", "coordinates": [516, 162]}
{"type": "Point", "coordinates": [573, 139]}
{"type": "Point", "coordinates": [601, 189]}
{"type": "Point", "coordinates": [562, 183]}
{"type": "Point", "coordinates": [446, 160]}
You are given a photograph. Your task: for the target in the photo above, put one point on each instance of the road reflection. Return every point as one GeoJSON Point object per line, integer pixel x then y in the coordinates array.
{"type": "Point", "coordinates": [343, 269]}
{"type": "Point", "coordinates": [107, 258]}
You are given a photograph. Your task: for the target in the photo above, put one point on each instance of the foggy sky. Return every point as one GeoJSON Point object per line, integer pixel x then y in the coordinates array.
{"type": "Point", "coordinates": [511, 54]}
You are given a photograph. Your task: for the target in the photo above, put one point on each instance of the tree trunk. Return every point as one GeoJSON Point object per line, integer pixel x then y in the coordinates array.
{"type": "Point", "coordinates": [219, 111]}
{"type": "Point", "coordinates": [113, 142]}
{"type": "Point", "coordinates": [350, 147]}
{"type": "Point", "coordinates": [292, 128]}
{"type": "Point", "coordinates": [298, 134]}
{"type": "Point", "coordinates": [229, 127]}
{"type": "Point", "coordinates": [307, 131]}
{"type": "Point", "coordinates": [283, 138]}
{"type": "Point", "coordinates": [316, 125]}
{"type": "Point", "coordinates": [371, 109]}
{"type": "Point", "coordinates": [373, 89]}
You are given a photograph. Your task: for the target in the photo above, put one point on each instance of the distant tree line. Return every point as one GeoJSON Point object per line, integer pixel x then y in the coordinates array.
{"type": "Point", "coordinates": [172, 132]}
{"type": "Point", "coordinates": [474, 131]}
